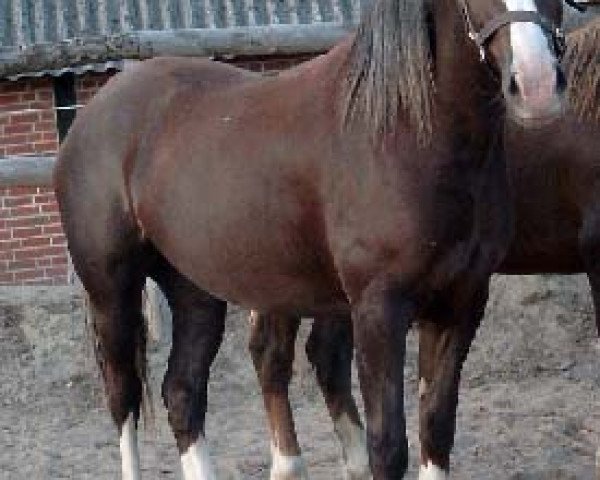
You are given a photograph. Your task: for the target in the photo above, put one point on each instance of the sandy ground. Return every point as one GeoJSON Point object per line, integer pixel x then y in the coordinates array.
{"type": "Point", "coordinates": [529, 410]}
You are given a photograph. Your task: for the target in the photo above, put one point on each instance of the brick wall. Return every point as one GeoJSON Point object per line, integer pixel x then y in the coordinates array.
{"type": "Point", "coordinates": [32, 244]}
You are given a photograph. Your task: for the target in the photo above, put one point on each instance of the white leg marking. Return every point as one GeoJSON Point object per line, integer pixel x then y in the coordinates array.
{"type": "Point", "coordinates": [285, 467]}
{"type": "Point", "coordinates": [196, 462]}
{"type": "Point", "coordinates": [432, 472]}
{"type": "Point", "coordinates": [354, 444]}
{"type": "Point", "coordinates": [598, 464]}
{"type": "Point", "coordinates": [423, 386]}
{"type": "Point", "coordinates": [130, 457]}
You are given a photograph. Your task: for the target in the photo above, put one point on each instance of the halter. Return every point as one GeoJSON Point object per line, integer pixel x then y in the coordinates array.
{"type": "Point", "coordinates": [483, 36]}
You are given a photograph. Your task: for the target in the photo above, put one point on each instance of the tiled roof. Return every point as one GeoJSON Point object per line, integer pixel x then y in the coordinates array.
{"type": "Point", "coordinates": [27, 22]}
{"type": "Point", "coordinates": [38, 36]}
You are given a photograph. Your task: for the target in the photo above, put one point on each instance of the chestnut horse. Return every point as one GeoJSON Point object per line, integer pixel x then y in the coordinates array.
{"type": "Point", "coordinates": [370, 180]}
{"type": "Point", "coordinates": [555, 172]}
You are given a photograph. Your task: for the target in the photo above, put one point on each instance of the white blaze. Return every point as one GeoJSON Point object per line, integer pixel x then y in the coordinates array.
{"type": "Point", "coordinates": [354, 443]}
{"type": "Point", "coordinates": [533, 62]}
{"type": "Point", "coordinates": [286, 467]}
{"type": "Point", "coordinates": [432, 472]}
{"type": "Point", "coordinates": [196, 463]}
{"type": "Point", "coordinates": [130, 458]}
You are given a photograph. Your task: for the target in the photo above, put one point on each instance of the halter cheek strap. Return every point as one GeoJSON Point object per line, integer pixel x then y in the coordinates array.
{"type": "Point", "coordinates": [483, 36]}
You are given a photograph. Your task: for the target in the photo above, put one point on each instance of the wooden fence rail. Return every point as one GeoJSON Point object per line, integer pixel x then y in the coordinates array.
{"type": "Point", "coordinates": [26, 171]}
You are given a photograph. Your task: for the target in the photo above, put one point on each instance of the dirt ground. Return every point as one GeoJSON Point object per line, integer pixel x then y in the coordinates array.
{"type": "Point", "coordinates": [529, 408]}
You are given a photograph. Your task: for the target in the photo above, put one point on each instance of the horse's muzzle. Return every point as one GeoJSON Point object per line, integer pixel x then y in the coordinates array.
{"type": "Point", "coordinates": [535, 98]}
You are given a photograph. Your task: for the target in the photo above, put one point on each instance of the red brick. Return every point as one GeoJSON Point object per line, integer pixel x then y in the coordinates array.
{"type": "Point", "coordinates": [26, 232]}
{"type": "Point", "coordinates": [14, 107]}
{"type": "Point", "coordinates": [37, 242]}
{"type": "Point", "coordinates": [44, 198]}
{"type": "Point", "coordinates": [52, 229]}
{"type": "Point", "coordinates": [18, 201]}
{"type": "Point", "coordinates": [18, 191]}
{"type": "Point", "coordinates": [59, 240]}
{"type": "Point", "coordinates": [7, 278]}
{"type": "Point", "coordinates": [40, 105]}
{"type": "Point", "coordinates": [44, 95]}
{"type": "Point", "coordinates": [6, 256]}
{"type": "Point", "coordinates": [28, 274]}
{"type": "Point", "coordinates": [22, 264]}
{"type": "Point", "coordinates": [62, 260]}
{"type": "Point", "coordinates": [56, 271]}
{"type": "Point", "coordinates": [18, 128]}
{"type": "Point", "coordinates": [47, 146]}
{"type": "Point", "coordinates": [10, 87]}
{"type": "Point", "coordinates": [14, 139]}
{"type": "Point", "coordinates": [35, 137]}
{"type": "Point", "coordinates": [49, 207]}
{"type": "Point", "coordinates": [19, 149]}
{"type": "Point", "coordinates": [24, 117]}
{"type": "Point", "coordinates": [47, 251]}
{"type": "Point", "coordinates": [5, 234]}
{"type": "Point", "coordinates": [43, 261]}
{"type": "Point", "coordinates": [46, 126]}
{"type": "Point", "coordinates": [27, 211]}
{"type": "Point", "coordinates": [9, 98]}
{"type": "Point", "coordinates": [28, 96]}
{"type": "Point", "coordinates": [48, 116]}
{"type": "Point", "coordinates": [53, 219]}
{"type": "Point", "coordinates": [9, 245]}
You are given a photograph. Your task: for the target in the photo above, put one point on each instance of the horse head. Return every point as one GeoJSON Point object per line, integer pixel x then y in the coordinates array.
{"type": "Point", "coordinates": [522, 42]}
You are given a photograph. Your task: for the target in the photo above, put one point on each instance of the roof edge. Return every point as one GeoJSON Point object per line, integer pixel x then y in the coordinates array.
{"type": "Point", "coordinates": [198, 42]}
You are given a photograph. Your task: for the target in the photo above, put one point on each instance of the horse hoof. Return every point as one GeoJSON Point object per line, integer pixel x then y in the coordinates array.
{"type": "Point", "coordinates": [288, 468]}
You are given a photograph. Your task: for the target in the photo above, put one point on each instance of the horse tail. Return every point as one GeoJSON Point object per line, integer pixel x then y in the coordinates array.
{"type": "Point", "coordinates": [142, 369]}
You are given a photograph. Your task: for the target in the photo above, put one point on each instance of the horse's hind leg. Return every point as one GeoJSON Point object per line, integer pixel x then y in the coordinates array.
{"type": "Point", "coordinates": [120, 348]}
{"type": "Point", "coordinates": [443, 348]}
{"type": "Point", "coordinates": [329, 349]}
{"type": "Point", "coordinates": [272, 339]}
{"type": "Point", "coordinates": [198, 323]}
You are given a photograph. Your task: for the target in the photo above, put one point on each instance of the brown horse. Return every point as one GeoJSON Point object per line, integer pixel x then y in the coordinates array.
{"type": "Point", "coordinates": [555, 172]}
{"type": "Point", "coordinates": [370, 180]}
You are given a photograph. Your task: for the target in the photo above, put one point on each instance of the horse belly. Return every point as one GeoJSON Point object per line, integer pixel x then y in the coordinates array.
{"type": "Point", "coordinates": [244, 244]}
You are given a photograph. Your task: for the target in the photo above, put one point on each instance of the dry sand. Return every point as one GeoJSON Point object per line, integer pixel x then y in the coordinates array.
{"type": "Point", "coordinates": [529, 408]}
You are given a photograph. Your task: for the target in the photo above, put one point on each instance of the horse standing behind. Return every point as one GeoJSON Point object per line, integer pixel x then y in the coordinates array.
{"type": "Point", "coordinates": [555, 173]}
{"type": "Point", "coordinates": [370, 180]}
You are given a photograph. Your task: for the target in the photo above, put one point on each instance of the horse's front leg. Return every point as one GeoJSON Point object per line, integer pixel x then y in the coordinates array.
{"type": "Point", "coordinates": [443, 348]}
{"type": "Point", "coordinates": [330, 349]}
{"type": "Point", "coordinates": [381, 318]}
{"type": "Point", "coordinates": [272, 339]}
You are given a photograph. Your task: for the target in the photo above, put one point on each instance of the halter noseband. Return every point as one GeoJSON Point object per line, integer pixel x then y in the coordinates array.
{"type": "Point", "coordinates": [483, 36]}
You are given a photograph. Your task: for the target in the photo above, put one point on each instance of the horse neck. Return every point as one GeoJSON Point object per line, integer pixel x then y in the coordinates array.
{"type": "Point", "coordinates": [464, 85]}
